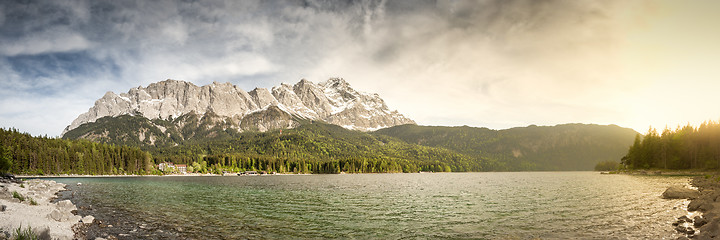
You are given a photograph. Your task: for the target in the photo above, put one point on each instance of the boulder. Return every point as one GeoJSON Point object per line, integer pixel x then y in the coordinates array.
{"type": "Point", "coordinates": [66, 205]}
{"type": "Point", "coordinates": [88, 219]}
{"type": "Point", "coordinates": [680, 192]}
{"type": "Point", "coordinates": [57, 216]}
{"type": "Point", "coordinates": [710, 230]}
{"type": "Point", "coordinates": [694, 205]}
{"type": "Point", "coordinates": [699, 221]}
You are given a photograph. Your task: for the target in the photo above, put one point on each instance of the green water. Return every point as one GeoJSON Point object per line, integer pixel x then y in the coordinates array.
{"type": "Point", "coordinates": [386, 206]}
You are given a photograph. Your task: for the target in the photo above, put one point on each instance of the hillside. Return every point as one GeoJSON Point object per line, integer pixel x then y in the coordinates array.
{"type": "Point", "coordinates": [320, 148]}
{"type": "Point", "coordinates": [545, 148]}
{"type": "Point", "coordinates": [324, 148]}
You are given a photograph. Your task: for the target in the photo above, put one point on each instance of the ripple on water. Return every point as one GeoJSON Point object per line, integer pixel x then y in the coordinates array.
{"type": "Point", "coordinates": [458, 205]}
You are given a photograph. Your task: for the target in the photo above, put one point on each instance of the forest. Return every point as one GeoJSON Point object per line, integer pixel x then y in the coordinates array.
{"type": "Point", "coordinates": [686, 147]}
{"type": "Point", "coordinates": [317, 148]}
{"type": "Point", "coordinates": [310, 148]}
{"type": "Point", "coordinates": [25, 154]}
{"type": "Point", "coordinates": [135, 145]}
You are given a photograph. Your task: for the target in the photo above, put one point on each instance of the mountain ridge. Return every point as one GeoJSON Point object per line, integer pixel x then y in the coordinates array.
{"type": "Point", "coordinates": [561, 147]}
{"type": "Point", "coordinates": [332, 101]}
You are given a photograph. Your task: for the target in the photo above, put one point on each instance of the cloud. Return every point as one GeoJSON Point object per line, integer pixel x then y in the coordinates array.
{"type": "Point", "coordinates": [487, 63]}
{"type": "Point", "coordinates": [480, 60]}
{"type": "Point", "coordinates": [48, 41]}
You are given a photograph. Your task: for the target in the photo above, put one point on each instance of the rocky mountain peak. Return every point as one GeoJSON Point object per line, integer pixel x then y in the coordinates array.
{"type": "Point", "coordinates": [332, 101]}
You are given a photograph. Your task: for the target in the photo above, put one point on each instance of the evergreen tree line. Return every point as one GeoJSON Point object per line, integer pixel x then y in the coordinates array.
{"type": "Point", "coordinates": [686, 147]}
{"type": "Point", "coordinates": [315, 148]}
{"type": "Point", "coordinates": [22, 153]}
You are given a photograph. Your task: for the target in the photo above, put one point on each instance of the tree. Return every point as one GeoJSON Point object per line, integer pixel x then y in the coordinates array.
{"type": "Point", "coordinates": [6, 161]}
{"type": "Point", "coordinates": [607, 166]}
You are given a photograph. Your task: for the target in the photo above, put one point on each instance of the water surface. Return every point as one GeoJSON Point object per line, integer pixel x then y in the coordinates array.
{"type": "Point", "coordinates": [520, 205]}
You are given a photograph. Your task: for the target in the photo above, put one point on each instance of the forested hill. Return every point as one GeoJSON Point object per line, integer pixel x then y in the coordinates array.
{"type": "Point", "coordinates": [551, 148]}
{"type": "Point", "coordinates": [319, 148]}
{"type": "Point", "coordinates": [310, 148]}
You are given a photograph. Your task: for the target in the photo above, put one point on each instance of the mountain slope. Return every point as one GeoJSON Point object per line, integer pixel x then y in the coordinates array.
{"type": "Point", "coordinates": [324, 148]}
{"type": "Point", "coordinates": [546, 148]}
{"type": "Point", "coordinates": [332, 101]}
{"type": "Point", "coordinates": [142, 132]}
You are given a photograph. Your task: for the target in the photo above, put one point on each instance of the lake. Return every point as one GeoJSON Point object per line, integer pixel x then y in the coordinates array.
{"type": "Point", "coordinates": [519, 205]}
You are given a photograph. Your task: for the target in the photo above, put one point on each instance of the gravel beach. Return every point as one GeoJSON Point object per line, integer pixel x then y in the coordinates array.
{"type": "Point", "coordinates": [30, 204]}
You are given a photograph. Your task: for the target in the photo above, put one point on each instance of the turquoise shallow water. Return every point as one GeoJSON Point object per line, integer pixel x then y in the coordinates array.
{"type": "Point", "coordinates": [388, 206]}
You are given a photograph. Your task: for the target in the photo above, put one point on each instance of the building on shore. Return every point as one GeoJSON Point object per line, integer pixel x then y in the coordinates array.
{"type": "Point", "coordinates": [166, 167]}
{"type": "Point", "coordinates": [181, 168]}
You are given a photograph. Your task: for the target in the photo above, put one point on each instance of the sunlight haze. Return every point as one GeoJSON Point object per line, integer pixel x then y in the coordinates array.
{"type": "Point", "coordinates": [495, 64]}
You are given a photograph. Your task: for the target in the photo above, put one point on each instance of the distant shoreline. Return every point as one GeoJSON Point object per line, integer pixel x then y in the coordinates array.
{"type": "Point", "coordinates": [168, 175]}
{"type": "Point", "coordinates": [664, 172]}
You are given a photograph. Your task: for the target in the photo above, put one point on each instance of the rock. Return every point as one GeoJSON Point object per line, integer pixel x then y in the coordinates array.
{"type": "Point", "coordinates": [711, 229]}
{"type": "Point", "coordinates": [680, 192]}
{"type": "Point", "coordinates": [57, 216]}
{"type": "Point", "coordinates": [65, 205]}
{"type": "Point", "coordinates": [3, 208]}
{"type": "Point", "coordinates": [332, 101]}
{"type": "Point", "coordinates": [699, 221]}
{"type": "Point", "coordinates": [694, 205]}
{"type": "Point", "coordinates": [88, 219]}
{"type": "Point", "coordinates": [683, 219]}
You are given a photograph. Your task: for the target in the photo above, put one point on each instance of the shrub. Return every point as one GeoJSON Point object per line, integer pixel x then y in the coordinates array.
{"type": "Point", "coordinates": [22, 185]}
{"type": "Point", "coordinates": [18, 196]}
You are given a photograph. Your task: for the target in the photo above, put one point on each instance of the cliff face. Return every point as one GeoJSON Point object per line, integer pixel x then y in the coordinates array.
{"type": "Point", "coordinates": [332, 101]}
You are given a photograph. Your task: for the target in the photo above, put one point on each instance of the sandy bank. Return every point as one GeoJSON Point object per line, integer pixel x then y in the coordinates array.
{"type": "Point", "coordinates": [37, 210]}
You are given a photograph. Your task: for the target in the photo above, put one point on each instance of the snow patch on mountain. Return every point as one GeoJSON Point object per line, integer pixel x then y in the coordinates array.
{"type": "Point", "coordinates": [332, 101]}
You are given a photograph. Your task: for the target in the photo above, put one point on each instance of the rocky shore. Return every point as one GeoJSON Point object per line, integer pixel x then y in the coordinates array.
{"type": "Point", "coordinates": [31, 204]}
{"type": "Point", "coordinates": [704, 208]}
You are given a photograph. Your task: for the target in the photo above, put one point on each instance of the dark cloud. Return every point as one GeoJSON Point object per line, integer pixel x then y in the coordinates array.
{"type": "Point", "coordinates": [405, 50]}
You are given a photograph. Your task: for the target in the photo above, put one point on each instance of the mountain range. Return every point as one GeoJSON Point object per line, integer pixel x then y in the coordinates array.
{"type": "Point", "coordinates": [333, 101]}
{"type": "Point", "coordinates": [329, 124]}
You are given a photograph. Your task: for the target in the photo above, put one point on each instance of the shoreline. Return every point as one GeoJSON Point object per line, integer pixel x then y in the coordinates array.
{"type": "Point", "coordinates": [33, 204]}
{"type": "Point", "coordinates": [676, 173]}
{"type": "Point", "coordinates": [168, 175]}
{"type": "Point", "coordinates": [708, 204]}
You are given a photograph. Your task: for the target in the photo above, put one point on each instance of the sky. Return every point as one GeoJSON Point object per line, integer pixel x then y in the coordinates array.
{"type": "Point", "coordinates": [496, 64]}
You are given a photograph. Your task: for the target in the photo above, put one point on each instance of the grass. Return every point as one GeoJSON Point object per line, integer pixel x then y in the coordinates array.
{"type": "Point", "coordinates": [32, 201]}
{"type": "Point", "coordinates": [27, 234]}
{"type": "Point", "coordinates": [22, 185]}
{"type": "Point", "coordinates": [18, 196]}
